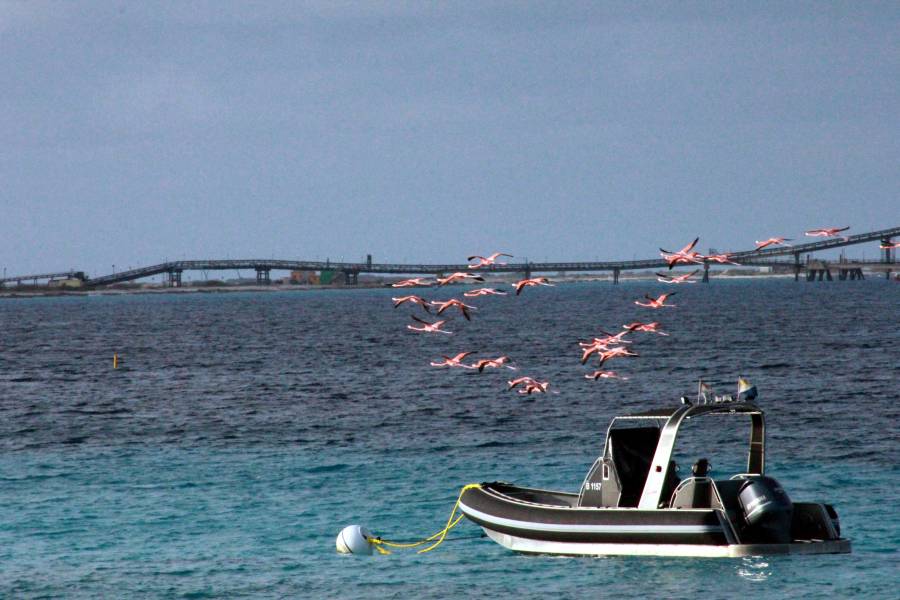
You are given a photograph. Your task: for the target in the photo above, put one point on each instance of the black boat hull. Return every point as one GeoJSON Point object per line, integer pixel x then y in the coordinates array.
{"type": "Point", "coordinates": [547, 522]}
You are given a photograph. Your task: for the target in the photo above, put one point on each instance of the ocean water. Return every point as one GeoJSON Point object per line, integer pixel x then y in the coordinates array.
{"type": "Point", "coordinates": [242, 431]}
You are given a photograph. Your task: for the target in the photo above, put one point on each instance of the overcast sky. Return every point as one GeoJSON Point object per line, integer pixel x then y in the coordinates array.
{"type": "Point", "coordinates": [133, 132]}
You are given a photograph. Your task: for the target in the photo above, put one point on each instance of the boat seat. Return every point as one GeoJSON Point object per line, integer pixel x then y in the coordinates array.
{"type": "Point", "coordinates": [693, 492]}
{"type": "Point", "coordinates": [698, 491]}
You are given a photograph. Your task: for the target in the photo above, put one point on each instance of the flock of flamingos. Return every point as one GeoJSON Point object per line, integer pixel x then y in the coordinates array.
{"type": "Point", "coordinates": [610, 346]}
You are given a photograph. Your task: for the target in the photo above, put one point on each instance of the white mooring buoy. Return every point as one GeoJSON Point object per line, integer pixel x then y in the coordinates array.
{"type": "Point", "coordinates": [354, 539]}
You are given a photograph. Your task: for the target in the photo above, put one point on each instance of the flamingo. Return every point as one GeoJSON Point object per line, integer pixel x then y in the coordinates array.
{"type": "Point", "coordinates": [683, 256]}
{"type": "Point", "coordinates": [483, 292]}
{"type": "Point", "coordinates": [520, 285]}
{"type": "Point", "coordinates": [455, 361]}
{"type": "Point", "coordinates": [458, 277]}
{"type": "Point", "coordinates": [722, 259]}
{"type": "Point", "coordinates": [826, 232]}
{"type": "Point", "coordinates": [411, 282]}
{"type": "Point", "coordinates": [493, 363]}
{"type": "Point", "coordinates": [520, 381]}
{"type": "Point", "coordinates": [656, 302]}
{"type": "Point", "coordinates": [428, 327]}
{"type": "Point", "coordinates": [486, 261]}
{"type": "Point", "coordinates": [780, 241]}
{"type": "Point", "coordinates": [677, 278]}
{"type": "Point", "coordinates": [890, 246]}
{"type": "Point", "coordinates": [414, 299]}
{"type": "Point", "coordinates": [536, 387]}
{"type": "Point", "coordinates": [647, 327]}
{"type": "Point", "coordinates": [614, 353]}
{"type": "Point", "coordinates": [529, 385]}
{"type": "Point", "coordinates": [453, 302]}
{"type": "Point", "coordinates": [600, 374]}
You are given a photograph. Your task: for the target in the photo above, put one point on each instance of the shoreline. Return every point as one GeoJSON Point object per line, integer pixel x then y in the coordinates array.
{"type": "Point", "coordinates": [11, 293]}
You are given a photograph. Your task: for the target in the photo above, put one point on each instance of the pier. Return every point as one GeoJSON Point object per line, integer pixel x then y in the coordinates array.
{"type": "Point", "coordinates": [799, 262]}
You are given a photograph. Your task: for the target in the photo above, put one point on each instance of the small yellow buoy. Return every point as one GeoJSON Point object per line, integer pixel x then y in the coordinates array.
{"type": "Point", "coordinates": [115, 361]}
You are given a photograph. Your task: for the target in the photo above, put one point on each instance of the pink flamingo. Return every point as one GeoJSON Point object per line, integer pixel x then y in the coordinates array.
{"type": "Point", "coordinates": [889, 246]}
{"type": "Point", "coordinates": [600, 374]}
{"type": "Point", "coordinates": [536, 387]}
{"type": "Point", "coordinates": [656, 302]}
{"type": "Point", "coordinates": [454, 303]}
{"type": "Point", "coordinates": [683, 256]}
{"type": "Point", "coordinates": [614, 353]}
{"type": "Point", "coordinates": [780, 241]}
{"type": "Point", "coordinates": [453, 277]}
{"type": "Point", "coordinates": [486, 261]}
{"type": "Point", "coordinates": [722, 259]}
{"type": "Point", "coordinates": [411, 282]}
{"type": "Point", "coordinates": [455, 361]}
{"type": "Point", "coordinates": [826, 232]}
{"type": "Point", "coordinates": [483, 292]}
{"type": "Point", "coordinates": [413, 299]}
{"type": "Point", "coordinates": [677, 278]}
{"type": "Point", "coordinates": [652, 327]}
{"type": "Point", "coordinates": [520, 285]}
{"type": "Point", "coordinates": [428, 327]}
{"type": "Point", "coordinates": [492, 363]}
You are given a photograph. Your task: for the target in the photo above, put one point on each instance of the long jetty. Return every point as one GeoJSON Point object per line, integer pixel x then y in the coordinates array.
{"type": "Point", "coordinates": [767, 257]}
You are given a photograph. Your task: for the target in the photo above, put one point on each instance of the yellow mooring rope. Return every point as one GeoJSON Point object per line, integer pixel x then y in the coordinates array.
{"type": "Point", "coordinates": [439, 536]}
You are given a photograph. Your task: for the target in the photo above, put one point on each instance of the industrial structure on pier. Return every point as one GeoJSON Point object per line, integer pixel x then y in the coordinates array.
{"type": "Point", "coordinates": [796, 258]}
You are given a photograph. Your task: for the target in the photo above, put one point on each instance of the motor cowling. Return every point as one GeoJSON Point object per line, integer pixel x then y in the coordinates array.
{"type": "Point", "coordinates": [767, 511]}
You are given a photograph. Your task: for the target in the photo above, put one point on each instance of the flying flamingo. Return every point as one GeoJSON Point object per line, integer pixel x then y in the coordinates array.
{"type": "Point", "coordinates": [520, 285]}
{"type": "Point", "coordinates": [536, 387]}
{"type": "Point", "coordinates": [677, 278]}
{"type": "Point", "coordinates": [428, 327]}
{"type": "Point", "coordinates": [889, 246]}
{"type": "Point", "coordinates": [520, 381]}
{"type": "Point", "coordinates": [411, 282]}
{"type": "Point", "coordinates": [826, 232]}
{"type": "Point", "coordinates": [722, 259]}
{"type": "Point", "coordinates": [453, 302]}
{"type": "Point", "coordinates": [614, 353]}
{"type": "Point", "coordinates": [646, 327]}
{"type": "Point", "coordinates": [414, 299]}
{"type": "Point", "coordinates": [483, 292]}
{"type": "Point", "coordinates": [683, 256]}
{"type": "Point", "coordinates": [453, 362]}
{"type": "Point", "coordinates": [453, 277]}
{"type": "Point", "coordinates": [774, 240]}
{"type": "Point", "coordinates": [486, 261]}
{"type": "Point", "coordinates": [599, 374]}
{"type": "Point", "coordinates": [493, 363]}
{"type": "Point", "coordinates": [656, 302]}
{"type": "Point", "coordinates": [529, 385]}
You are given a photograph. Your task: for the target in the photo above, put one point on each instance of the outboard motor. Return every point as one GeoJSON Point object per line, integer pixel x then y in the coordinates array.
{"type": "Point", "coordinates": [767, 510]}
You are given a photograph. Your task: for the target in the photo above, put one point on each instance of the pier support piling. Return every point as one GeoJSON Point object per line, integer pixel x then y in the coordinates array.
{"type": "Point", "coordinates": [174, 278]}
{"type": "Point", "coordinates": [705, 272]}
{"type": "Point", "coordinates": [262, 276]}
{"type": "Point", "coordinates": [615, 274]}
{"type": "Point", "coordinates": [888, 254]}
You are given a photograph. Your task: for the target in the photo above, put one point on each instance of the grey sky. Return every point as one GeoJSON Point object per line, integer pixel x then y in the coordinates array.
{"type": "Point", "coordinates": [132, 132]}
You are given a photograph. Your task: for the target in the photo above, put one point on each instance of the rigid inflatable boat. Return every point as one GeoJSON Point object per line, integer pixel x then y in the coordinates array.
{"type": "Point", "coordinates": [633, 502]}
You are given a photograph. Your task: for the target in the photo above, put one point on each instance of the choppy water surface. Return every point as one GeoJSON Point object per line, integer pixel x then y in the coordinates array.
{"type": "Point", "coordinates": [242, 431]}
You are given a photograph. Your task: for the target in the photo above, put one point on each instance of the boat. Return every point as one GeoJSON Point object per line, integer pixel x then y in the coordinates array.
{"type": "Point", "coordinates": [633, 502]}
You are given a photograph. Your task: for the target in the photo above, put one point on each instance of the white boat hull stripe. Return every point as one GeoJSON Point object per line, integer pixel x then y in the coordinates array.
{"type": "Point", "coordinates": [557, 527]}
